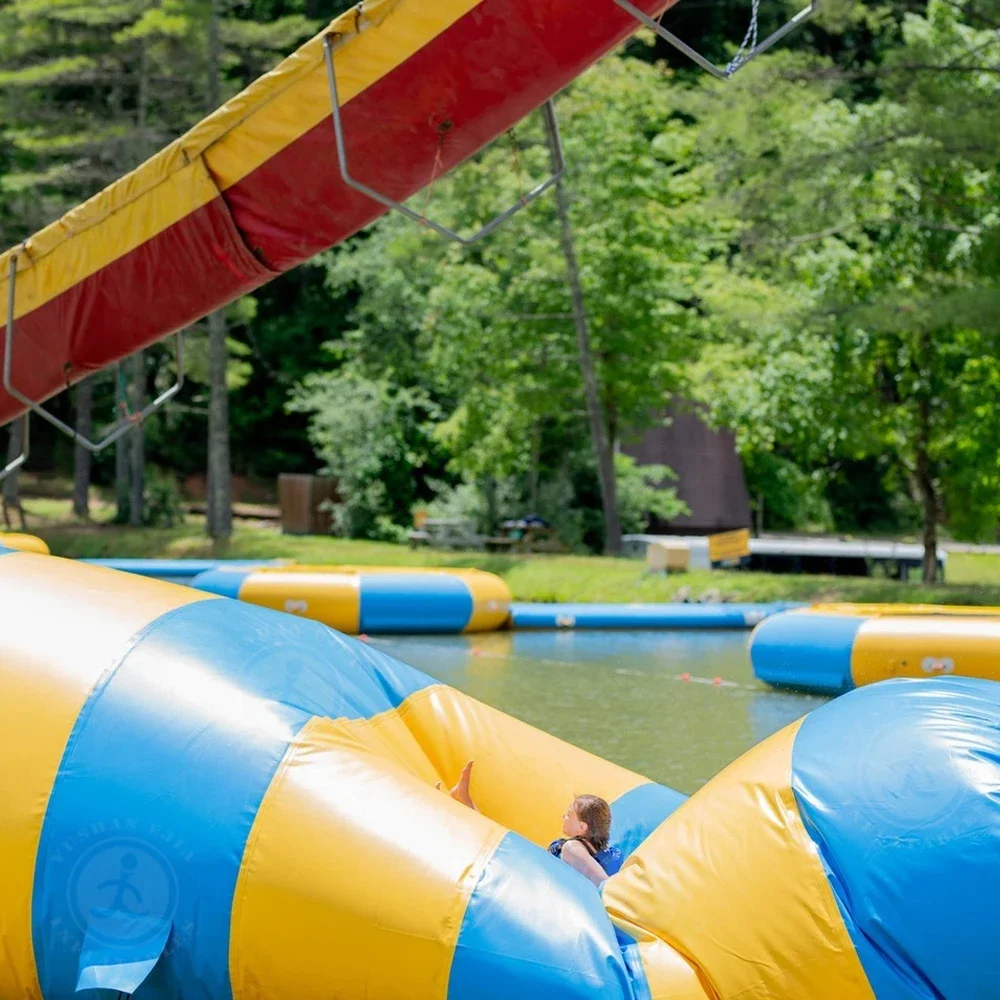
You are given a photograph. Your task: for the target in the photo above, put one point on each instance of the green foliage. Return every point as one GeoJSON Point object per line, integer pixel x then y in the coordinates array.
{"type": "Point", "coordinates": [372, 438]}
{"type": "Point", "coordinates": [164, 504]}
{"type": "Point", "coordinates": [867, 246]}
{"type": "Point", "coordinates": [641, 493]}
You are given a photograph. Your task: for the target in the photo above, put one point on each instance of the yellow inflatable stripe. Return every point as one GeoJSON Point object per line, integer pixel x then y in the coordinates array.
{"type": "Point", "coordinates": [902, 610]}
{"type": "Point", "coordinates": [668, 975]}
{"type": "Point", "coordinates": [926, 646]}
{"type": "Point", "coordinates": [733, 883]}
{"type": "Point", "coordinates": [490, 601]}
{"type": "Point", "coordinates": [332, 868]}
{"type": "Point", "coordinates": [24, 543]}
{"type": "Point", "coordinates": [508, 783]}
{"type": "Point", "coordinates": [246, 132]}
{"type": "Point", "coordinates": [51, 664]}
{"type": "Point", "coordinates": [332, 598]}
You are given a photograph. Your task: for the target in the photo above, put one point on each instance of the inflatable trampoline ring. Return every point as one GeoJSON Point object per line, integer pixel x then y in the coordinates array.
{"type": "Point", "coordinates": [832, 648]}
{"type": "Point", "coordinates": [371, 599]}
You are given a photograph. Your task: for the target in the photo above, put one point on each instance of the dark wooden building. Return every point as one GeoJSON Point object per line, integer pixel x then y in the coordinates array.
{"type": "Point", "coordinates": [709, 472]}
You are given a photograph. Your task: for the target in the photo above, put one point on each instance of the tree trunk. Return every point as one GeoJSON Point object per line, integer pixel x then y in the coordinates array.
{"type": "Point", "coordinates": [536, 460]}
{"type": "Point", "coordinates": [490, 491]}
{"type": "Point", "coordinates": [122, 478]}
{"type": "Point", "coordinates": [137, 501]}
{"type": "Point", "coordinates": [927, 488]}
{"type": "Point", "coordinates": [602, 448]}
{"type": "Point", "coordinates": [213, 89]}
{"type": "Point", "coordinates": [219, 523]}
{"type": "Point", "coordinates": [122, 449]}
{"type": "Point", "coordinates": [219, 505]}
{"type": "Point", "coordinates": [12, 484]}
{"type": "Point", "coordinates": [82, 459]}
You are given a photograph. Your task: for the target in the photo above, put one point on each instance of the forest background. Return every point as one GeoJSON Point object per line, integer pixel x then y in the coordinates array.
{"type": "Point", "coordinates": [807, 252]}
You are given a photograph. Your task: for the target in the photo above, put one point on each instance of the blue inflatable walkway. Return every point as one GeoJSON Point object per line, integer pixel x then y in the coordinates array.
{"type": "Point", "coordinates": [637, 616]}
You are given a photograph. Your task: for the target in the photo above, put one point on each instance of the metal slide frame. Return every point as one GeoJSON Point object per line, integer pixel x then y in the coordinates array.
{"type": "Point", "coordinates": [720, 72]}
{"type": "Point", "coordinates": [330, 43]}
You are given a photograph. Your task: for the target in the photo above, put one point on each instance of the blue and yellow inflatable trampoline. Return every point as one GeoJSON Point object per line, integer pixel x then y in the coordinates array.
{"type": "Point", "coordinates": [202, 799]}
{"type": "Point", "coordinates": [832, 648]}
{"type": "Point", "coordinates": [381, 599]}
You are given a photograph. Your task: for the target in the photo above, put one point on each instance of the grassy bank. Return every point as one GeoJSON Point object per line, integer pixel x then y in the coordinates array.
{"type": "Point", "coordinates": [973, 579]}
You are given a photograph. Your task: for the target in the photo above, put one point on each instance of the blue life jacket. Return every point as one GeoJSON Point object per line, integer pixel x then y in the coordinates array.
{"type": "Point", "coordinates": [610, 859]}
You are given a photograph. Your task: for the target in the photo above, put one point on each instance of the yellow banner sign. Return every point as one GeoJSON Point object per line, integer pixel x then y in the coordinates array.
{"type": "Point", "coordinates": [729, 546]}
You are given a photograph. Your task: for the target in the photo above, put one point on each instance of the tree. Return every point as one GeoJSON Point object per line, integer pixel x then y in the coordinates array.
{"type": "Point", "coordinates": [219, 523]}
{"type": "Point", "coordinates": [492, 333]}
{"type": "Point", "coordinates": [11, 495]}
{"type": "Point", "coordinates": [137, 450]}
{"type": "Point", "coordinates": [878, 221]}
{"type": "Point", "coordinates": [83, 397]}
{"type": "Point", "coordinates": [591, 392]}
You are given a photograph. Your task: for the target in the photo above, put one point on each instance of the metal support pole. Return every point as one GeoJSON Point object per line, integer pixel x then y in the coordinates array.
{"type": "Point", "coordinates": [122, 427]}
{"type": "Point", "coordinates": [720, 72]}
{"type": "Point", "coordinates": [330, 42]}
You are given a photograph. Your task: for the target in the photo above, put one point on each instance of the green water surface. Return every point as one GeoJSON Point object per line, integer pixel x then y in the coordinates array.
{"type": "Point", "coordinates": [623, 695]}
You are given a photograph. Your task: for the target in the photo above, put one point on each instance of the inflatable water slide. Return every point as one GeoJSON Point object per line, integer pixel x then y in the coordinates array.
{"type": "Point", "coordinates": [203, 799]}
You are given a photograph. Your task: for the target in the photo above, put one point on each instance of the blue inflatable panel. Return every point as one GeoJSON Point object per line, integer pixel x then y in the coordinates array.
{"type": "Point", "coordinates": [777, 644]}
{"type": "Point", "coordinates": [509, 947]}
{"type": "Point", "coordinates": [408, 602]}
{"type": "Point", "coordinates": [637, 813]}
{"type": "Point", "coordinates": [897, 785]}
{"type": "Point", "coordinates": [633, 616]}
{"type": "Point", "coordinates": [174, 570]}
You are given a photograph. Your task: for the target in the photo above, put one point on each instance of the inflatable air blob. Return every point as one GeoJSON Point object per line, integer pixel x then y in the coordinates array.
{"type": "Point", "coordinates": [832, 648]}
{"type": "Point", "coordinates": [382, 599]}
{"type": "Point", "coordinates": [201, 799]}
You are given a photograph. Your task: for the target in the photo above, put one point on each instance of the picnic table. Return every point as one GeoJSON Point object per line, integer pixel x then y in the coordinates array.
{"type": "Point", "coordinates": [446, 533]}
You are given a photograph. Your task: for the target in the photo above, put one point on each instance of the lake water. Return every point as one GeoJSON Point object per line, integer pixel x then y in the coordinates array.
{"type": "Point", "coordinates": [623, 695]}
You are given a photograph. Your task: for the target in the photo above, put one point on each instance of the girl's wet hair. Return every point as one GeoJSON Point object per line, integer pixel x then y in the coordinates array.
{"type": "Point", "coordinates": [596, 813]}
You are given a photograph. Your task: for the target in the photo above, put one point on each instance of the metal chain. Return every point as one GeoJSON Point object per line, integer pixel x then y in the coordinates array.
{"type": "Point", "coordinates": [749, 41]}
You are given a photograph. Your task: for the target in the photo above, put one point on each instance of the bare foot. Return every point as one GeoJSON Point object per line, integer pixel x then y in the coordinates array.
{"type": "Point", "coordinates": [460, 793]}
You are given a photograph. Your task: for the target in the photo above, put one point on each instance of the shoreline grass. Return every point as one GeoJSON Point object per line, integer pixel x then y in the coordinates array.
{"type": "Point", "coordinates": [973, 579]}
